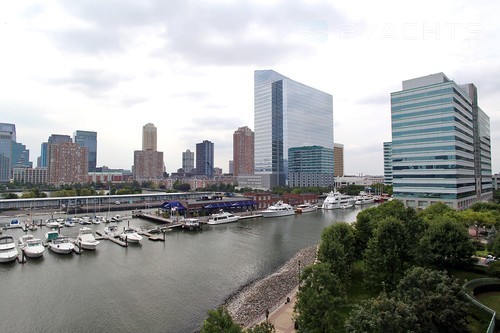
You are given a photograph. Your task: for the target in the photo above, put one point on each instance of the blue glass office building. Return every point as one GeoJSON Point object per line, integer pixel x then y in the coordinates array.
{"type": "Point", "coordinates": [7, 139]}
{"type": "Point", "coordinates": [387, 163]}
{"type": "Point", "coordinates": [205, 159]}
{"type": "Point", "coordinates": [287, 114]}
{"type": "Point", "coordinates": [441, 150]}
{"type": "Point", "coordinates": [88, 139]}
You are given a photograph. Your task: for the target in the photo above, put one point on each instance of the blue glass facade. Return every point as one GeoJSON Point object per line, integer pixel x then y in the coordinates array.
{"type": "Point", "coordinates": [440, 143]}
{"type": "Point", "coordinates": [387, 163]}
{"type": "Point", "coordinates": [7, 139]}
{"type": "Point", "coordinates": [205, 159]}
{"type": "Point", "coordinates": [88, 139]}
{"type": "Point", "coordinates": [287, 114]}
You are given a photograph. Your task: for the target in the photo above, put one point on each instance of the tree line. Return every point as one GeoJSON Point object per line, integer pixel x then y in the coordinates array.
{"type": "Point", "coordinates": [403, 257]}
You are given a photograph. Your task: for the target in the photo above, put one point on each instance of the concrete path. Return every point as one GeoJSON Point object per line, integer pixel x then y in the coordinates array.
{"type": "Point", "coordinates": [282, 316]}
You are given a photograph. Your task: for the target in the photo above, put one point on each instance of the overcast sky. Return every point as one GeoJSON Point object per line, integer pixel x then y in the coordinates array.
{"type": "Point", "coordinates": [111, 66]}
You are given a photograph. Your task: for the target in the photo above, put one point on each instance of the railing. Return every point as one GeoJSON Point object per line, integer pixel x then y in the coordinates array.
{"type": "Point", "coordinates": [481, 282]}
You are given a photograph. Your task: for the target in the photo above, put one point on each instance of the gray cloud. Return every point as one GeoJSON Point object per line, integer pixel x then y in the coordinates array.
{"type": "Point", "coordinates": [92, 82]}
{"type": "Point", "coordinates": [202, 33]}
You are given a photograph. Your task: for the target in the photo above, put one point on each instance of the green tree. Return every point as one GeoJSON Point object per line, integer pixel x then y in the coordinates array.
{"type": "Point", "coordinates": [220, 320]}
{"type": "Point", "coordinates": [265, 327]}
{"type": "Point", "coordinates": [494, 247]}
{"type": "Point", "coordinates": [319, 300]}
{"type": "Point", "coordinates": [435, 211]}
{"type": "Point", "coordinates": [387, 255]}
{"type": "Point", "coordinates": [446, 243]}
{"type": "Point", "coordinates": [368, 220]}
{"type": "Point", "coordinates": [382, 314]}
{"type": "Point", "coordinates": [10, 196]}
{"type": "Point", "coordinates": [436, 299]}
{"type": "Point", "coordinates": [337, 248]}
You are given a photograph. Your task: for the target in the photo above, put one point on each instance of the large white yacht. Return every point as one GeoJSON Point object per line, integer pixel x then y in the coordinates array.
{"type": "Point", "coordinates": [222, 217]}
{"type": "Point", "coordinates": [8, 250]}
{"type": "Point", "coordinates": [278, 209]}
{"type": "Point", "coordinates": [336, 200]}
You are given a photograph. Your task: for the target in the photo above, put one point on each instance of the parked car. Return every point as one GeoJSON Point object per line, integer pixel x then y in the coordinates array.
{"type": "Point", "coordinates": [489, 258]}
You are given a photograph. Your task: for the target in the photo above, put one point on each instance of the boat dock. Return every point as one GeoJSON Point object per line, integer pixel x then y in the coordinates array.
{"type": "Point", "coordinates": [113, 239]}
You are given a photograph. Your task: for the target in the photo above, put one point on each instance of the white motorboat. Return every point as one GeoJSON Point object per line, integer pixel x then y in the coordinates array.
{"type": "Point", "coordinates": [85, 220]}
{"type": "Point", "coordinates": [116, 218]}
{"type": "Point", "coordinates": [336, 200]}
{"type": "Point", "coordinates": [50, 235]}
{"type": "Point", "coordinates": [86, 239]}
{"type": "Point", "coordinates": [61, 245]}
{"type": "Point", "coordinates": [306, 208]}
{"type": "Point", "coordinates": [222, 217]}
{"type": "Point", "coordinates": [8, 250]}
{"type": "Point", "coordinates": [363, 199]}
{"type": "Point", "coordinates": [14, 223]}
{"type": "Point", "coordinates": [51, 223]}
{"type": "Point", "coordinates": [98, 219]}
{"type": "Point", "coordinates": [190, 223]}
{"type": "Point", "coordinates": [278, 209]}
{"type": "Point", "coordinates": [69, 222]}
{"type": "Point", "coordinates": [31, 246]}
{"type": "Point", "coordinates": [130, 235]}
{"type": "Point", "coordinates": [111, 231]}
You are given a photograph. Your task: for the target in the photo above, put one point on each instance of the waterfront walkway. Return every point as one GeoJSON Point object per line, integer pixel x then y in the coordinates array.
{"type": "Point", "coordinates": [282, 317]}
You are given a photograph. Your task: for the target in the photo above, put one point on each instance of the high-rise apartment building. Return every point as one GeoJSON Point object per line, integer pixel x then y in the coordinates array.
{"type": "Point", "coordinates": [311, 166]}
{"type": "Point", "coordinates": [387, 163]}
{"type": "Point", "coordinates": [7, 139]}
{"type": "Point", "coordinates": [148, 163]}
{"type": "Point", "coordinates": [287, 114]}
{"type": "Point", "coordinates": [88, 139]}
{"type": "Point", "coordinates": [338, 160]}
{"type": "Point", "coordinates": [149, 138]}
{"type": "Point", "coordinates": [188, 161]}
{"type": "Point", "coordinates": [441, 150]}
{"type": "Point", "coordinates": [205, 159]}
{"type": "Point", "coordinates": [68, 163]}
{"type": "Point", "coordinates": [243, 151]}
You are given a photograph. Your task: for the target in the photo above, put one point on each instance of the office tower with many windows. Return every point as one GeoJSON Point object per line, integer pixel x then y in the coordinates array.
{"type": "Point", "coordinates": [149, 138]}
{"type": "Point", "coordinates": [441, 150]}
{"type": "Point", "coordinates": [287, 114]}
{"type": "Point", "coordinates": [7, 139]}
{"type": "Point", "coordinates": [243, 151]}
{"type": "Point", "coordinates": [311, 166]}
{"type": "Point", "coordinates": [188, 161]}
{"type": "Point", "coordinates": [88, 139]}
{"type": "Point", "coordinates": [205, 159]}
{"type": "Point", "coordinates": [387, 163]}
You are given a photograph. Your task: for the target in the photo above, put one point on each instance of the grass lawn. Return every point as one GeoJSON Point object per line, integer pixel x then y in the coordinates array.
{"type": "Point", "coordinates": [491, 299]}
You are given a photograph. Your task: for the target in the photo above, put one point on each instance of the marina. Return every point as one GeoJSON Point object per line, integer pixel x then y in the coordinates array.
{"type": "Point", "coordinates": [154, 286]}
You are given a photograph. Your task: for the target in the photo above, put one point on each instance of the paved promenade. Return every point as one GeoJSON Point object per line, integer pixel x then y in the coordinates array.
{"type": "Point", "coordinates": [282, 316]}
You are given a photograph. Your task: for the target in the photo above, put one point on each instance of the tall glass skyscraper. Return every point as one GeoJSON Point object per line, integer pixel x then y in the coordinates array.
{"type": "Point", "coordinates": [7, 139]}
{"type": "Point", "coordinates": [287, 114]}
{"type": "Point", "coordinates": [441, 150]}
{"type": "Point", "coordinates": [387, 163]}
{"type": "Point", "coordinates": [88, 139]}
{"type": "Point", "coordinates": [205, 159]}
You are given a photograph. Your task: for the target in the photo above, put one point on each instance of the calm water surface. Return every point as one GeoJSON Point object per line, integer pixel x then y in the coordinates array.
{"type": "Point", "coordinates": [155, 286]}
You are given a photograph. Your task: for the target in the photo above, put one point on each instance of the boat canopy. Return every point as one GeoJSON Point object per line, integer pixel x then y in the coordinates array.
{"type": "Point", "coordinates": [229, 204]}
{"type": "Point", "coordinates": [173, 204]}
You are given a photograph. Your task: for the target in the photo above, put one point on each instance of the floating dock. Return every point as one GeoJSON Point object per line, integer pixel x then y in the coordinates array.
{"type": "Point", "coordinates": [113, 239]}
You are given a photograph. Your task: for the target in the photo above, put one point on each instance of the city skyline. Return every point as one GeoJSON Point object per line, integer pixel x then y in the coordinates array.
{"type": "Point", "coordinates": [67, 66]}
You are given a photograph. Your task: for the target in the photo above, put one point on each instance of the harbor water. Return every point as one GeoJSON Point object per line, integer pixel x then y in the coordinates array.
{"type": "Point", "coordinates": [153, 286]}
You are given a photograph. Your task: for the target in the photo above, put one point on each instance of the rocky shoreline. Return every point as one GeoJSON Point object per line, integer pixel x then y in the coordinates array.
{"type": "Point", "coordinates": [248, 306]}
